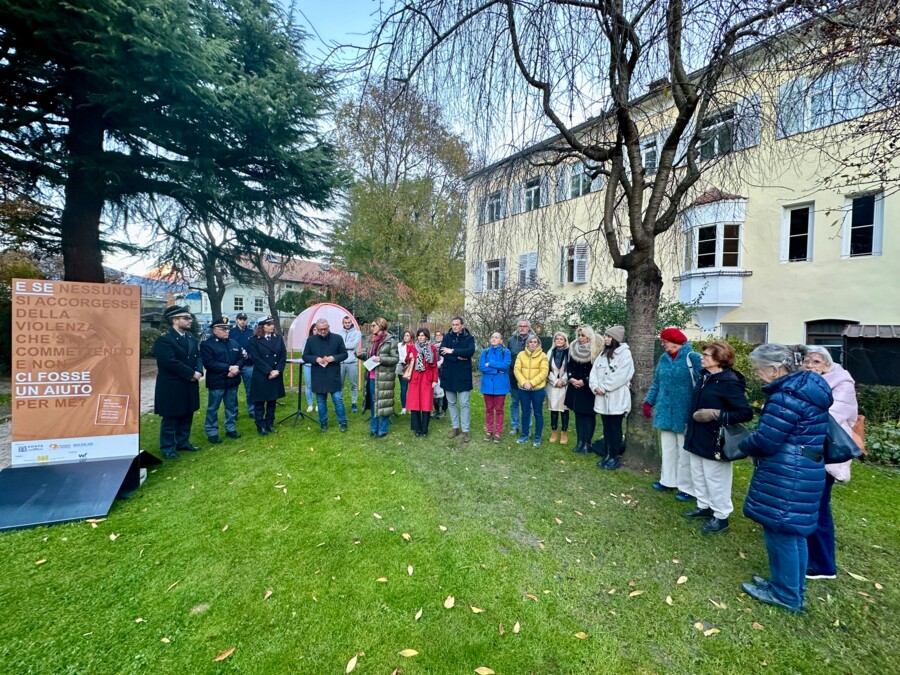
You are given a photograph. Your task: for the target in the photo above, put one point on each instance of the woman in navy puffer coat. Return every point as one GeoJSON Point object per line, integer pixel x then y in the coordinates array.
{"type": "Point", "coordinates": [789, 473]}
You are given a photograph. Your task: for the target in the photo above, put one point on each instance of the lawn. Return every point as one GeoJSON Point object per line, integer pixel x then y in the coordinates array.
{"type": "Point", "coordinates": [302, 550]}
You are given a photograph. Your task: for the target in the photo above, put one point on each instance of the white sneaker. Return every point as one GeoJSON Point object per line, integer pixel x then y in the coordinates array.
{"type": "Point", "coordinates": [309, 408]}
{"type": "Point", "coordinates": [821, 576]}
{"type": "Point", "coordinates": [403, 411]}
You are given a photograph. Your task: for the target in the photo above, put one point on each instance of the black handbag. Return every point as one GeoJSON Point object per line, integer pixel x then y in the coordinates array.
{"type": "Point", "coordinates": [730, 437]}
{"type": "Point", "coordinates": [839, 445]}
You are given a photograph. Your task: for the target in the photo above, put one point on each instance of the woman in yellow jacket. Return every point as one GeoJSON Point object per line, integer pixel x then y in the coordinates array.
{"type": "Point", "coordinates": [531, 372]}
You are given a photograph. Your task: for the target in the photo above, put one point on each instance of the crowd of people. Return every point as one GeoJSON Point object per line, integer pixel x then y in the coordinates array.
{"type": "Point", "coordinates": [693, 397]}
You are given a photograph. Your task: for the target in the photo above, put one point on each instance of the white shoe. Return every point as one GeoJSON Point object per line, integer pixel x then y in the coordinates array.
{"type": "Point", "coordinates": [309, 408]}
{"type": "Point", "coordinates": [403, 411]}
{"type": "Point", "coordinates": [821, 576]}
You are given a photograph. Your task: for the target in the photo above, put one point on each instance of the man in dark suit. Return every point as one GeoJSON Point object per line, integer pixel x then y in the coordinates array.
{"type": "Point", "coordinates": [222, 357]}
{"type": "Point", "coordinates": [241, 333]}
{"type": "Point", "coordinates": [177, 393]}
{"type": "Point", "coordinates": [325, 351]}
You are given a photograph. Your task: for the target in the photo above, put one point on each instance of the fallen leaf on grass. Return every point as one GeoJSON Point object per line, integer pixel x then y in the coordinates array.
{"type": "Point", "coordinates": [676, 560]}
{"type": "Point", "coordinates": [579, 513]}
{"type": "Point", "coordinates": [634, 593]}
{"type": "Point", "coordinates": [406, 536]}
{"type": "Point", "coordinates": [541, 545]}
{"type": "Point", "coordinates": [878, 586]}
{"type": "Point", "coordinates": [669, 600]}
{"type": "Point", "coordinates": [224, 655]}
{"type": "Point", "coordinates": [165, 640]}
{"type": "Point", "coordinates": [517, 627]}
{"type": "Point", "coordinates": [377, 516]}
{"type": "Point", "coordinates": [743, 555]}
{"type": "Point", "coordinates": [533, 597]}
{"type": "Point", "coordinates": [408, 652]}
{"type": "Point", "coordinates": [390, 529]}
{"type": "Point", "coordinates": [225, 527]}
{"type": "Point", "coordinates": [93, 521]}
{"type": "Point", "coordinates": [484, 670]}
{"type": "Point", "coordinates": [114, 536]}
{"type": "Point", "coordinates": [632, 583]}
{"type": "Point", "coordinates": [409, 570]}
{"type": "Point", "coordinates": [381, 580]}
{"type": "Point", "coordinates": [681, 580]}
{"type": "Point", "coordinates": [718, 605]}
{"type": "Point", "coordinates": [611, 591]}
{"type": "Point", "coordinates": [139, 620]}
{"type": "Point", "coordinates": [581, 635]}
{"type": "Point", "coordinates": [558, 521]}
{"type": "Point", "coordinates": [173, 585]}
{"type": "Point", "coordinates": [501, 629]}
{"type": "Point", "coordinates": [449, 602]}
{"type": "Point", "coordinates": [837, 623]}
{"type": "Point", "coordinates": [858, 577]}
{"type": "Point", "coordinates": [475, 610]}
{"type": "Point", "coordinates": [442, 528]}
{"type": "Point", "coordinates": [419, 614]}
{"type": "Point", "coordinates": [268, 594]}
{"type": "Point", "coordinates": [756, 625]}
{"type": "Point", "coordinates": [40, 562]}
{"type": "Point", "coordinates": [711, 631]}
{"type": "Point", "coordinates": [351, 664]}
{"type": "Point", "coordinates": [199, 609]}
{"type": "Point", "coordinates": [393, 472]}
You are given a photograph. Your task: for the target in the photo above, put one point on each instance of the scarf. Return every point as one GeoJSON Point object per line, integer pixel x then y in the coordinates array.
{"type": "Point", "coordinates": [558, 357]}
{"type": "Point", "coordinates": [423, 355]}
{"type": "Point", "coordinates": [376, 343]}
{"type": "Point", "coordinates": [581, 352]}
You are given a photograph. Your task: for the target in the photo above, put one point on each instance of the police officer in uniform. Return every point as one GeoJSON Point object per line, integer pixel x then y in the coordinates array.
{"type": "Point", "coordinates": [221, 358]}
{"type": "Point", "coordinates": [241, 333]}
{"type": "Point", "coordinates": [177, 393]}
{"type": "Point", "coordinates": [266, 350]}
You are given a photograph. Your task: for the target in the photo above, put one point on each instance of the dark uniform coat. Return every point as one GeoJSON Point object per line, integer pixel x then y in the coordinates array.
{"type": "Point", "coordinates": [177, 359]}
{"type": "Point", "coordinates": [267, 355]}
{"type": "Point", "coordinates": [218, 356]}
{"type": "Point", "coordinates": [456, 373]}
{"type": "Point", "coordinates": [242, 337]}
{"type": "Point", "coordinates": [328, 379]}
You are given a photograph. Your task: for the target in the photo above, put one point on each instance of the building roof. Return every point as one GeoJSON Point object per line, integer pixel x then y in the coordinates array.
{"type": "Point", "coordinates": [714, 195]}
{"type": "Point", "coordinates": [301, 271]}
{"type": "Point", "coordinates": [872, 331]}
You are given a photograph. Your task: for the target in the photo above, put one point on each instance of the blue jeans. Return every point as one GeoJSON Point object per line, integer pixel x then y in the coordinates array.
{"type": "Point", "coordinates": [337, 398]}
{"type": "Point", "coordinates": [821, 542]}
{"type": "Point", "coordinates": [246, 376]}
{"type": "Point", "coordinates": [377, 425]}
{"type": "Point", "coordinates": [515, 416]}
{"type": "Point", "coordinates": [215, 398]}
{"type": "Point", "coordinates": [787, 566]}
{"type": "Point", "coordinates": [532, 403]}
{"type": "Point", "coordinates": [404, 387]}
{"type": "Point", "coordinates": [307, 380]}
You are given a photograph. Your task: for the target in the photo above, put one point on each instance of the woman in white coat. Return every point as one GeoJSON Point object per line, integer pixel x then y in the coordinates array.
{"type": "Point", "coordinates": [610, 382]}
{"type": "Point", "coordinates": [557, 383]}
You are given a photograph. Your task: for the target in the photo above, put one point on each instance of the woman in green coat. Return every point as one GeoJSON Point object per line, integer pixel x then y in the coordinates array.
{"type": "Point", "coordinates": [381, 379]}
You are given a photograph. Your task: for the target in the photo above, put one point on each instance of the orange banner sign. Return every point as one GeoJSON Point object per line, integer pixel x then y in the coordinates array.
{"type": "Point", "coordinates": [76, 371]}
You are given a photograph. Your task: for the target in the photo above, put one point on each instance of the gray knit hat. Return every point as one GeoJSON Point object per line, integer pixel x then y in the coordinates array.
{"type": "Point", "coordinates": [617, 333]}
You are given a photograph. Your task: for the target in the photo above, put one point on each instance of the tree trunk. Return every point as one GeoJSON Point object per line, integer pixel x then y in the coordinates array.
{"type": "Point", "coordinates": [273, 310]}
{"type": "Point", "coordinates": [214, 291]}
{"type": "Point", "coordinates": [84, 196]}
{"type": "Point", "coordinates": [643, 289]}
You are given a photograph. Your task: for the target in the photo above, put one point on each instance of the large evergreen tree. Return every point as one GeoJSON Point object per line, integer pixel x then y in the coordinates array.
{"type": "Point", "coordinates": [206, 102]}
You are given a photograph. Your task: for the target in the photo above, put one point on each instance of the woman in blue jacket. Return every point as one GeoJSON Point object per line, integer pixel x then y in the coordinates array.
{"type": "Point", "coordinates": [789, 474]}
{"type": "Point", "coordinates": [494, 366]}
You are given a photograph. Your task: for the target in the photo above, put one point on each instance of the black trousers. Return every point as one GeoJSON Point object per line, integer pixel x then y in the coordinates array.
{"type": "Point", "coordinates": [612, 433]}
{"type": "Point", "coordinates": [418, 421]}
{"type": "Point", "coordinates": [174, 433]}
{"type": "Point", "coordinates": [554, 419]}
{"type": "Point", "coordinates": [584, 427]}
{"type": "Point", "coordinates": [265, 413]}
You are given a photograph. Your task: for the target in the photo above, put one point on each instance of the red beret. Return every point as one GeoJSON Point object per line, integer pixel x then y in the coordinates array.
{"type": "Point", "coordinates": [673, 335]}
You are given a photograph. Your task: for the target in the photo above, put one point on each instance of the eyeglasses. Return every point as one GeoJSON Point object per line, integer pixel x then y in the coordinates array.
{"type": "Point", "coordinates": [707, 355]}
{"type": "Point", "coordinates": [815, 362]}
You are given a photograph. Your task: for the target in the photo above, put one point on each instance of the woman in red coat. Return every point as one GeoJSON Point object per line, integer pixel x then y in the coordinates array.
{"type": "Point", "coordinates": [420, 395]}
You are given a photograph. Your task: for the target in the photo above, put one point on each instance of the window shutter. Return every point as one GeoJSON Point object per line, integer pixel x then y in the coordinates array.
{"type": "Point", "coordinates": [479, 277]}
{"type": "Point", "coordinates": [518, 198]}
{"type": "Point", "coordinates": [545, 188]}
{"type": "Point", "coordinates": [747, 123]}
{"type": "Point", "coordinates": [523, 270]}
{"type": "Point", "coordinates": [581, 263]}
{"type": "Point", "coordinates": [532, 269]}
{"type": "Point", "coordinates": [481, 210]}
{"type": "Point", "coordinates": [562, 265]}
{"type": "Point", "coordinates": [504, 203]}
{"type": "Point", "coordinates": [502, 272]}
{"type": "Point", "coordinates": [791, 108]}
{"type": "Point", "coordinates": [563, 182]}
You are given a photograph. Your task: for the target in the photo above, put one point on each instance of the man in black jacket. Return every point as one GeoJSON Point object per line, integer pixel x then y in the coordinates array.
{"type": "Point", "coordinates": [456, 375]}
{"type": "Point", "coordinates": [221, 358]}
{"type": "Point", "coordinates": [177, 393]}
{"type": "Point", "coordinates": [325, 351]}
{"type": "Point", "coordinates": [241, 333]}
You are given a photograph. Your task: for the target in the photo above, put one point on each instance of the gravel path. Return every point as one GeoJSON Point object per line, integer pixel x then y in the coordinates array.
{"type": "Point", "coordinates": [148, 379]}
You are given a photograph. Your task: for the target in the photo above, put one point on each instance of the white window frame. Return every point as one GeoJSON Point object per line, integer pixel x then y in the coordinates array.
{"type": "Point", "coordinates": [650, 148]}
{"type": "Point", "coordinates": [532, 194]}
{"type": "Point", "coordinates": [238, 303]}
{"type": "Point", "coordinates": [710, 129]}
{"type": "Point", "coordinates": [581, 181]}
{"type": "Point", "coordinates": [786, 232]}
{"type": "Point", "coordinates": [494, 207]}
{"type": "Point", "coordinates": [573, 264]}
{"type": "Point", "coordinates": [492, 274]}
{"type": "Point", "coordinates": [692, 243]}
{"type": "Point", "coordinates": [877, 230]}
{"type": "Point", "coordinates": [259, 304]}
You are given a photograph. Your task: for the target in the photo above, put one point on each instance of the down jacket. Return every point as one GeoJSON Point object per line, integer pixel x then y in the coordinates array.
{"type": "Point", "coordinates": [670, 392]}
{"type": "Point", "coordinates": [532, 367]}
{"type": "Point", "coordinates": [787, 484]}
{"type": "Point", "coordinates": [845, 410]}
{"type": "Point", "coordinates": [385, 377]}
{"type": "Point", "coordinates": [723, 391]}
{"type": "Point", "coordinates": [613, 376]}
{"type": "Point", "coordinates": [494, 366]}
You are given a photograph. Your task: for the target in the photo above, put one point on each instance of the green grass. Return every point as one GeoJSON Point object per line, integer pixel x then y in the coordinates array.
{"type": "Point", "coordinates": [319, 549]}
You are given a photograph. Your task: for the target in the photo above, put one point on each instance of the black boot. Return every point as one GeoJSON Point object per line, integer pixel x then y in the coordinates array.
{"type": "Point", "coordinates": [581, 448]}
{"type": "Point", "coordinates": [261, 430]}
